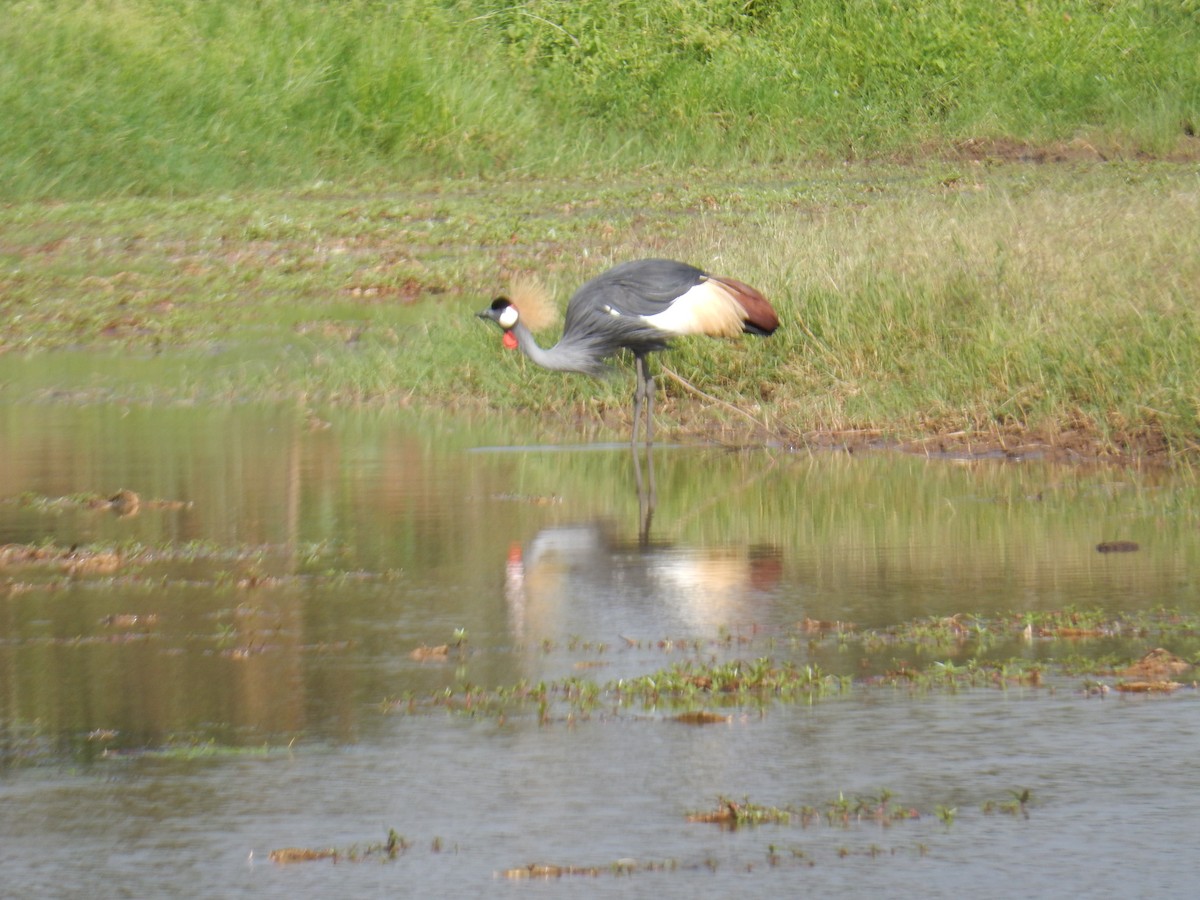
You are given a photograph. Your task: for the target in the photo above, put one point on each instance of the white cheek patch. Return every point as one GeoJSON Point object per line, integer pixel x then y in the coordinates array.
{"type": "Point", "coordinates": [508, 318]}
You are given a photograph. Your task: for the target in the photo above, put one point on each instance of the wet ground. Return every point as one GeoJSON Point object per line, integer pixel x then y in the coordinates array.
{"type": "Point", "coordinates": [451, 662]}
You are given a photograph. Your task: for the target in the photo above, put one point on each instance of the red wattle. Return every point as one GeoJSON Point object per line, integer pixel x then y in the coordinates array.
{"type": "Point", "coordinates": [509, 341]}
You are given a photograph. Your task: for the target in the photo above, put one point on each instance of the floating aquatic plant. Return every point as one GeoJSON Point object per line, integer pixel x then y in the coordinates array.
{"type": "Point", "coordinates": [394, 846]}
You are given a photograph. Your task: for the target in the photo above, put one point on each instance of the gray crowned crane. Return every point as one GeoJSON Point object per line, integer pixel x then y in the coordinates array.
{"type": "Point", "coordinates": [638, 306]}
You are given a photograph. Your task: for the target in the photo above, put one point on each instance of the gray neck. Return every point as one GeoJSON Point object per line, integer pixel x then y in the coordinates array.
{"type": "Point", "coordinates": [562, 357]}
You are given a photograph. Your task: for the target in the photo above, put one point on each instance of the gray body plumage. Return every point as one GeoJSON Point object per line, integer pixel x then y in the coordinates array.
{"type": "Point", "coordinates": [604, 316]}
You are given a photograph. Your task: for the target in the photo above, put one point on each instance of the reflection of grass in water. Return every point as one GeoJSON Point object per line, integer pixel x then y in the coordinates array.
{"type": "Point", "coordinates": [29, 748]}
{"type": "Point", "coordinates": [231, 564]}
{"type": "Point", "coordinates": [198, 750]}
{"type": "Point", "coordinates": [986, 529]}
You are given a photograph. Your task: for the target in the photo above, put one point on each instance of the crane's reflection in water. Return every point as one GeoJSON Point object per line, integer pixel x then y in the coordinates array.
{"type": "Point", "coordinates": [646, 489]}
{"type": "Point", "coordinates": [577, 579]}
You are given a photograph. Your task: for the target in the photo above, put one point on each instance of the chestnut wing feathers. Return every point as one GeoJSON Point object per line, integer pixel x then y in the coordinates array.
{"type": "Point", "coordinates": [760, 317]}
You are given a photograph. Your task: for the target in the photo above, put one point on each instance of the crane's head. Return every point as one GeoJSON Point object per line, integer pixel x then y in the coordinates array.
{"type": "Point", "coordinates": [527, 302]}
{"type": "Point", "coordinates": [504, 314]}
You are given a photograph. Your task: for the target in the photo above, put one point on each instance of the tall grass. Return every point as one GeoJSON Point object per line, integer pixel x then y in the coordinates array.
{"type": "Point", "coordinates": [187, 95]}
{"type": "Point", "coordinates": [1023, 301]}
{"type": "Point", "coordinates": [159, 96]}
{"type": "Point", "coordinates": [865, 75]}
{"type": "Point", "coordinates": [997, 308]}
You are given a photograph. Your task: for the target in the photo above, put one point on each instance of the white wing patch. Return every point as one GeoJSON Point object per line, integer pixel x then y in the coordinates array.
{"type": "Point", "coordinates": [708, 308]}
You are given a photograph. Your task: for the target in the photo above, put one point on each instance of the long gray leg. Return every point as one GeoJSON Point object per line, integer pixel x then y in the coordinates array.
{"type": "Point", "coordinates": [643, 399]}
{"type": "Point", "coordinates": [639, 366]}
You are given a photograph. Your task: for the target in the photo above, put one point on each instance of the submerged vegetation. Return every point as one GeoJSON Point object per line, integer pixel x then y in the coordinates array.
{"type": "Point", "coordinates": [1013, 651]}
{"type": "Point", "coordinates": [843, 813]}
{"type": "Point", "coordinates": [395, 846]}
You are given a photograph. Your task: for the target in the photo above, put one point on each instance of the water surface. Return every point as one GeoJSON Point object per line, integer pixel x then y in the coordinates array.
{"type": "Point", "coordinates": [240, 679]}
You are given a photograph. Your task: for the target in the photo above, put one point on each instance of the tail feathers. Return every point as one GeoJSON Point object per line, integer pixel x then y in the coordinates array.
{"type": "Point", "coordinates": [760, 316]}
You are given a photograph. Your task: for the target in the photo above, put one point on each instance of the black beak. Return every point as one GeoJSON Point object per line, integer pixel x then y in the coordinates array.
{"type": "Point", "coordinates": [493, 311]}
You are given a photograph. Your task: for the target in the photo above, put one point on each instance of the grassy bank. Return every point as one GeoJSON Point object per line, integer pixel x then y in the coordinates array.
{"type": "Point", "coordinates": [112, 97]}
{"type": "Point", "coordinates": [987, 302]}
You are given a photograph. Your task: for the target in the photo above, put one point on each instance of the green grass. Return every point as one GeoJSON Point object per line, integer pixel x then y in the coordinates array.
{"type": "Point", "coordinates": [855, 77]}
{"type": "Point", "coordinates": [1009, 302]}
{"type": "Point", "coordinates": [335, 187]}
{"type": "Point", "coordinates": [1026, 304]}
{"type": "Point", "coordinates": [129, 96]}
{"type": "Point", "coordinates": [112, 97]}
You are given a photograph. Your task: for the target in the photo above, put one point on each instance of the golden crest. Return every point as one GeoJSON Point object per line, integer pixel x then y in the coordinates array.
{"type": "Point", "coordinates": [533, 300]}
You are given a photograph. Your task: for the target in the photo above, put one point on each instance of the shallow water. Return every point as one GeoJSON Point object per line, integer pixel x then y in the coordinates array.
{"type": "Point", "coordinates": [238, 677]}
